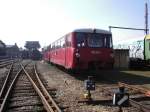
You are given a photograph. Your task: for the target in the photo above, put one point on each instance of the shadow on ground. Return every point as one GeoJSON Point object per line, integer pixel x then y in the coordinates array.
{"type": "Point", "coordinates": [114, 76]}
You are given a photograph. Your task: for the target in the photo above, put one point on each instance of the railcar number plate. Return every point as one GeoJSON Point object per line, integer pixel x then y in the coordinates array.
{"type": "Point", "coordinates": [95, 52]}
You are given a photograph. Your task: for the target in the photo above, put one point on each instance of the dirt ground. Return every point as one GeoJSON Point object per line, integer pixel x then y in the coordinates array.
{"type": "Point", "coordinates": [70, 88]}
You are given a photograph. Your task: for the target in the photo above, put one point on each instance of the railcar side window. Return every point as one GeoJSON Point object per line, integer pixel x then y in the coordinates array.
{"type": "Point", "coordinates": [58, 44]}
{"type": "Point", "coordinates": [49, 47]}
{"type": "Point", "coordinates": [81, 41]}
{"type": "Point", "coordinates": [62, 42]}
{"type": "Point", "coordinates": [68, 41]}
{"type": "Point", "coordinates": [53, 46]}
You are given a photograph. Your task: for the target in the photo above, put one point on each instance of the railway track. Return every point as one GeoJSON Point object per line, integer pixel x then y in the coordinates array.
{"type": "Point", "coordinates": [25, 92]}
{"type": "Point", "coordinates": [139, 97]}
{"type": "Point", "coordinates": [6, 59]}
{"type": "Point", "coordinates": [5, 62]}
{"type": "Point", "coordinates": [9, 77]}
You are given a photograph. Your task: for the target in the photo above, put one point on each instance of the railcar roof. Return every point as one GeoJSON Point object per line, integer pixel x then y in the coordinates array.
{"type": "Point", "coordinates": [92, 30]}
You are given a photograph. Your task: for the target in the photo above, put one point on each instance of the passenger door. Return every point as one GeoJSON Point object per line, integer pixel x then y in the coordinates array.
{"type": "Point", "coordinates": [68, 52]}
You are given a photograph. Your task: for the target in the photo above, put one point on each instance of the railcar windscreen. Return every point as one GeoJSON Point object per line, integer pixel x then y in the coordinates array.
{"type": "Point", "coordinates": [94, 40]}
{"type": "Point", "coordinates": [81, 39]}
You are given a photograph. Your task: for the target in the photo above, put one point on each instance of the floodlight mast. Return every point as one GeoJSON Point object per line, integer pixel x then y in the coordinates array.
{"type": "Point", "coordinates": [146, 19]}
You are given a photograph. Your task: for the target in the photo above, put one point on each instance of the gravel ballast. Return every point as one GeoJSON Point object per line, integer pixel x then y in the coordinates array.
{"type": "Point", "coordinates": [70, 90]}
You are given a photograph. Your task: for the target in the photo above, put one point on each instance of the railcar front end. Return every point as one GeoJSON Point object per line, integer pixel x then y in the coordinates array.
{"type": "Point", "coordinates": [93, 50]}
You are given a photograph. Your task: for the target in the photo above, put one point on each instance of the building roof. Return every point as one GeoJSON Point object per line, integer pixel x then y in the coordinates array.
{"type": "Point", "coordinates": [2, 45]}
{"type": "Point", "coordinates": [12, 46]}
{"type": "Point", "coordinates": [9, 46]}
{"type": "Point", "coordinates": [32, 44]}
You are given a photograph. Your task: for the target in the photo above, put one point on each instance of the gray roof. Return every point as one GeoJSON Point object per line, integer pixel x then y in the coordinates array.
{"type": "Point", "coordinates": [2, 45]}
{"type": "Point", "coordinates": [9, 46]}
{"type": "Point", "coordinates": [90, 30]}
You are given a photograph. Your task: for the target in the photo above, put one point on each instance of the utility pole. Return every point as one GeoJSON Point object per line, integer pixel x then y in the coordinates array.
{"type": "Point", "coordinates": [146, 27]}
{"type": "Point", "coordinates": [146, 18]}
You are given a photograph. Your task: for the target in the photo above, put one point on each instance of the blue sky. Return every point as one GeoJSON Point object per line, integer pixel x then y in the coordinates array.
{"type": "Point", "coordinates": [48, 20]}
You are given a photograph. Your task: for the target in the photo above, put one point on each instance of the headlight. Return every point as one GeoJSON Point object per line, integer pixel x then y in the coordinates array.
{"type": "Point", "coordinates": [77, 55]}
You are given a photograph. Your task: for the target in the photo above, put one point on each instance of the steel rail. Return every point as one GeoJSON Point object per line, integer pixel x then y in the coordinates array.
{"type": "Point", "coordinates": [47, 95]}
{"type": "Point", "coordinates": [3, 64]}
{"type": "Point", "coordinates": [141, 90]}
{"type": "Point", "coordinates": [6, 64]}
{"type": "Point", "coordinates": [134, 103]}
{"type": "Point", "coordinates": [6, 80]}
{"type": "Point", "coordinates": [140, 106]}
{"type": "Point", "coordinates": [44, 101]}
{"type": "Point", "coordinates": [7, 59]}
{"type": "Point", "coordinates": [4, 103]}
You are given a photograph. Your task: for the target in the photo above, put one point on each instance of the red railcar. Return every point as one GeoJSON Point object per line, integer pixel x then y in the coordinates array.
{"type": "Point", "coordinates": [82, 49]}
{"type": "Point", "coordinates": [46, 55]}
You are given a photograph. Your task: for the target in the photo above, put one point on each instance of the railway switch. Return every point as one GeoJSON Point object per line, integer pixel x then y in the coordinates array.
{"type": "Point", "coordinates": [121, 97]}
{"type": "Point", "coordinates": [89, 86]}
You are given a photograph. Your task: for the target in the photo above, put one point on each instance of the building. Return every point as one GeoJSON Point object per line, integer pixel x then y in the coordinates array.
{"type": "Point", "coordinates": [32, 45]}
{"type": "Point", "coordinates": [12, 51]}
{"type": "Point", "coordinates": [2, 48]}
{"type": "Point", "coordinates": [121, 58]}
